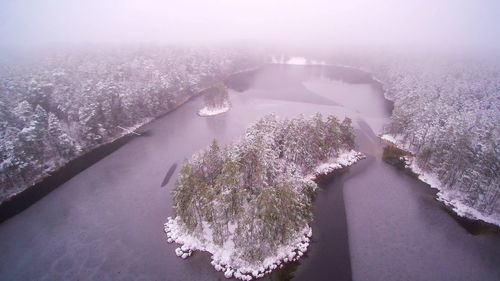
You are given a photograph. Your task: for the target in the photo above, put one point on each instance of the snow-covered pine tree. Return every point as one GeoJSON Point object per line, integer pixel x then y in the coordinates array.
{"type": "Point", "coordinates": [60, 142]}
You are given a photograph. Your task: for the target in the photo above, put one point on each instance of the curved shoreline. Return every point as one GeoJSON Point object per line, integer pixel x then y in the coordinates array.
{"type": "Point", "coordinates": [354, 75]}
{"type": "Point", "coordinates": [221, 258]}
{"type": "Point", "coordinates": [20, 201]}
{"type": "Point", "coordinates": [42, 186]}
{"type": "Point", "coordinates": [472, 223]}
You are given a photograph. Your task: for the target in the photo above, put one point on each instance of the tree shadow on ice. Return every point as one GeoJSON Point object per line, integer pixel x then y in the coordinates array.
{"type": "Point", "coordinates": [217, 124]}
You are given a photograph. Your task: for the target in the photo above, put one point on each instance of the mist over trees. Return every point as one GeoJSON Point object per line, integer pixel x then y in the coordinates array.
{"type": "Point", "coordinates": [63, 105]}
{"type": "Point", "coordinates": [256, 190]}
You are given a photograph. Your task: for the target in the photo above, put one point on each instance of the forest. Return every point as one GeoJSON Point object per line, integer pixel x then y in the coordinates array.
{"type": "Point", "coordinates": [446, 111]}
{"type": "Point", "coordinates": [58, 106]}
{"type": "Point", "coordinates": [256, 192]}
{"type": "Point", "coordinates": [209, 140]}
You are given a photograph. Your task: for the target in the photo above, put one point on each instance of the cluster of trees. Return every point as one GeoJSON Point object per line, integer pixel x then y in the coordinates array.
{"type": "Point", "coordinates": [55, 107]}
{"type": "Point", "coordinates": [255, 191]}
{"type": "Point", "coordinates": [446, 111]}
{"type": "Point", "coordinates": [216, 96]}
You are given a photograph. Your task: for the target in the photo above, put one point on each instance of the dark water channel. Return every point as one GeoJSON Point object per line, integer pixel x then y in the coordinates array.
{"type": "Point", "coordinates": [372, 222]}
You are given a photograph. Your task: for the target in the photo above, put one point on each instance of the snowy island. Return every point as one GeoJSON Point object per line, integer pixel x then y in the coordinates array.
{"type": "Point", "coordinates": [250, 203]}
{"type": "Point", "coordinates": [216, 100]}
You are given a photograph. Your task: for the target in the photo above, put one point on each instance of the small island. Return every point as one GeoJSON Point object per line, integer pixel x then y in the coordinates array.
{"type": "Point", "coordinates": [216, 99]}
{"type": "Point", "coordinates": [250, 203]}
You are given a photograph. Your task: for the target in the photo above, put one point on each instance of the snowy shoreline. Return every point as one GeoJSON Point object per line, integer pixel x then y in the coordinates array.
{"type": "Point", "coordinates": [344, 160]}
{"type": "Point", "coordinates": [212, 111]}
{"type": "Point", "coordinates": [222, 256]}
{"type": "Point", "coordinates": [448, 197]}
{"type": "Point", "coordinates": [55, 168]}
{"type": "Point", "coordinates": [125, 132]}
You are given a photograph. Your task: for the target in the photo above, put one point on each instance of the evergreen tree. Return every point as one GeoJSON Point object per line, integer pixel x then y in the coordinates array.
{"type": "Point", "coordinates": [58, 139]}
{"type": "Point", "coordinates": [347, 133]}
{"type": "Point", "coordinates": [90, 120]}
{"type": "Point", "coordinates": [23, 112]}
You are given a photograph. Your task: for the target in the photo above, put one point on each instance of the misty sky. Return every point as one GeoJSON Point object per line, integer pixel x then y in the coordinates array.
{"type": "Point", "coordinates": [457, 23]}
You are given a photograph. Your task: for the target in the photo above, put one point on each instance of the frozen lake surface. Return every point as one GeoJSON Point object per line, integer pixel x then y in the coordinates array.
{"type": "Point", "coordinates": [373, 222]}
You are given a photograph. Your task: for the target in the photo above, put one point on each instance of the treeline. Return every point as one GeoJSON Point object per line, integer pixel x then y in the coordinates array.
{"type": "Point", "coordinates": [56, 107]}
{"type": "Point", "coordinates": [446, 111]}
{"type": "Point", "coordinates": [255, 191]}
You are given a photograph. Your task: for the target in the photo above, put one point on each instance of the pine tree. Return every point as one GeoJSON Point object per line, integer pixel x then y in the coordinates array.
{"type": "Point", "coordinates": [23, 112]}
{"type": "Point", "coordinates": [90, 120]}
{"type": "Point", "coordinates": [64, 146]}
{"type": "Point", "coordinates": [212, 162]}
{"type": "Point", "coordinates": [347, 133]}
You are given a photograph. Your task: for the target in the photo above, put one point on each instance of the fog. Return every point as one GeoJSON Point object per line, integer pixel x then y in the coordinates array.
{"type": "Point", "coordinates": [388, 23]}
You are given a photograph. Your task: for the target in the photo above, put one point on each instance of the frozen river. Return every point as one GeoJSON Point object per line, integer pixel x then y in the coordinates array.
{"type": "Point", "coordinates": [373, 222]}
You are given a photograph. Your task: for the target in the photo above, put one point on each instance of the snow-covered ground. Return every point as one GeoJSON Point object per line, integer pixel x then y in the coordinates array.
{"type": "Point", "coordinates": [345, 159]}
{"type": "Point", "coordinates": [451, 198]}
{"type": "Point", "coordinates": [223, 257]}
{"type": "Point", "coordinates": [212, 111]}
{"type": "Point", "coordinates": [389, 138]}
{"type": "Point", "coordinates": [57, 163]}
{"type": "Point", "coordinates": [296, 61]}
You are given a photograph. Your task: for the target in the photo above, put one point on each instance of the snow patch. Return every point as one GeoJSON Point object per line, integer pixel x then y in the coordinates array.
{"type": "Point", "coordinates": [225, 258]}
{"type": "Point", "coordinates": [212, 111]}
{"type": "Point", "coordinates": [296, 61]}
{"type": "Point", "coordinates": [389, 138]}
{"type": "Point", "coordinates": [344, 159]}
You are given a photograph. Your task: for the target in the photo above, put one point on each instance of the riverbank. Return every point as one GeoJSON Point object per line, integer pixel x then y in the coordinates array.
{"type": "Point", "coordinates": [51, 179]}
{"type": "Point", "coordinates": [450, 198]}
{"type": "Point", "coordinates": [223, 256]}
{"type": "Point", "coordinates": [396, 155]}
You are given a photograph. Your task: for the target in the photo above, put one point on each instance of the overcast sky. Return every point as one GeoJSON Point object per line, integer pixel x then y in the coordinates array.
{"type": "Point", "coordinates": [437, 23]}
